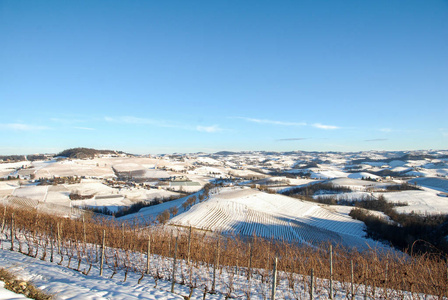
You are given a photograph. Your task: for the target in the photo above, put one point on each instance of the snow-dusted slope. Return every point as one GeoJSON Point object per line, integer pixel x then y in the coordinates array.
{"type": "Point", "coordinates": [246, 211]}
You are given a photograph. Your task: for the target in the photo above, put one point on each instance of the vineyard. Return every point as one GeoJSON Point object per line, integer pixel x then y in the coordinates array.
{"type": "Point", "coordinates": [219, 266]}
{"type": "Point", "coordinates": [246, 212]}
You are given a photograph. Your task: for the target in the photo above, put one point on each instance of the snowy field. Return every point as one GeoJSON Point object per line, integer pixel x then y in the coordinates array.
{"type": "Point", "coordinates": [420, 202]}
{"type": "Point", "coordinates": [32, 192]}
{"type": "Point", "coordinates": [433, 183]}
{"type": "Point", "coordinates": [69, 284]}
{"type": "Point", "coordinates": [246, 211]}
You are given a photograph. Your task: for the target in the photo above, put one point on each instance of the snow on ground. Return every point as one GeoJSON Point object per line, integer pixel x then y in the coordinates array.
{"type": "Point", "coordinates": [113, 203]}
{"type": "Point", "coordinates": [401, 169]}
{"type": "Point", "coordinates": [246, 173]}
{"type": "Point", "coordinates": [8, 187]}
{"type": "Point", "coordinates": [420, 202]}
{"type": "Point", "coordinates": [353, 196]}
{"type": "Point", "coordinates": [127, 167]}
{"type": "Point", "coordinates": [151, 212]}
{"type": "Point", "coordinates": [416, 163]}
{"type": "Point", "coordinates": [375, 163]}
{"type": "Point", "coordinates": [246, 211]}
{"type": "Point", "coordinates": [417, 174]}
{"type": "Point", "coordinates": [429, 173]}
{"type": "Point", "coordinates": [10, 167]}
{"type": "Point", "coordinates": [69, 284]}
{"type": "Point", "coordinates": [209, 160]}
{"type": "Point", "coordinates": [397, 163]}
{"type": "Point", "coordinates": [355, 184]}
{"type": "Point", "coordinates": [35, 192]}
{"type": "Point", "coordinates": [361, 175]}
{"type": "Point", "coordinates": [91, 187]}
{"type": "Point", "coordinates": [207, 171]}
{"type": "Point", "coordinates": [345, 210]}
{"type": "Point", "coordinates": [293, 183]}
{"type": "Point", "coordinates": [138, 194]}
{"type": "Point", "coordinates": [300, 181]}
{"type": "Point", "coordinates": [6, 294]}
{"type": "Point", "coordinates": [434, 183]}
{"type": "Point", "coordinates": [327, 172]}
{"type": "Point", "coordinates": [88, 168]}
{"type": "Point", "coordinates": [58, 194]}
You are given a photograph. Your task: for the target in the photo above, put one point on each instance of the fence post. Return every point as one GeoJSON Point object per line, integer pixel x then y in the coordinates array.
{"type": "Point", "coordinates": [84, 231]}
{"type": "Point", "coordinates": [148, 254]}
{"type": "Point", "coordinates": [102, 252]}
{"type": "Point", "coordinates": [12, 232]}
{"type": "Point", "coordinates": [274, 279]}
{"type": "Point", "coordinates": [249, 270]}
{"type": "Point", "coordinates": [169, 244]}
{"type": "Point", "coordinates": [52, 243]}
{"type": "Point", "coordinates": [59, 238]}
{"type": "Point", "coordinates": [4, 219]}
{"type": "Point", "coordinates": [189, 246]}
{"type": "Point", "coordinates": [249, 267]}
{"type": "Point", "coordinates": [122, 234]}
{"type": "Point", "coordinates": [365, 284]}
{"type": "Point", "coordinates": [385, 277]}
{"type": "Point", "coordinates": [331, 272]}
{"type": "Point", "coordinates": [352, 277]}
{"type": "Point", "coordinates": [174, 267]}
{"type": "Point", "coordinates": [312, 285]}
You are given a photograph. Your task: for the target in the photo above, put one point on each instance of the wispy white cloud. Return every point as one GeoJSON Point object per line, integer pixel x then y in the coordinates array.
{"type": "Point", "coordinates": [208, 129]}
{"type": "Point", "coordinates": [324, 127]}
{"type": "Point", "coordinates": [286, 123]}
{"type": "Point", "coordinates": [23, 127]}
{"type": "Point", "coordinates": [444, 131]}
{"type": "Point", "coordinates": [273, 122]}
{"type": "Point", "coordinates": [387, 130]}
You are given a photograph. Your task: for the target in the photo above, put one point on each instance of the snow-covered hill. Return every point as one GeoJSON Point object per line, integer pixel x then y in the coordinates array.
{"type": "Point", "coordinates": [247, 212]}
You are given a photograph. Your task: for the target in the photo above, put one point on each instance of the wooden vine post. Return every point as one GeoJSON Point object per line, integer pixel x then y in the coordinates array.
{"type": "Point", "coordinates": [148, 255]}
{"type": "Point", "coordinates": [249, 270]}
{"type": "Point", "coordinates": [4, 219]}
{"type": "Point", "coordinates": [84, 231]}
{"type": "Point", "coordinates": [331, 272]}
{"type": "Point", "coordinates": [365, 284]}
{"type": "Point", "coordinates": [312, 285]}
{"type": "Point", "coordinates": [59, 238]}
{"type": "Point", "coordinates": [189, 246]}
{"type": "Point", "coordinates": [103, 246]}
{"type": "Point", "coordinates": [274, 279]}
{"type": "Point", "coordinates": [352, 277]}
{"type": "Point", "coordinates": [249, 267]}
{"type": "Point", "coordinates": [12, 232]}
{"type": "Point", "coordinates": [174, 267]}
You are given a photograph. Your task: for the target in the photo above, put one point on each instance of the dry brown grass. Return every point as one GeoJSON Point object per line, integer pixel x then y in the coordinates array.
{"type": "Point", "coordinates": [22, 287]}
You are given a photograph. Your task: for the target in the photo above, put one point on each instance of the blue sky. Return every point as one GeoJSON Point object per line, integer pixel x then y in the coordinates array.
{"type": "Point", "coordinates": [188, 76]}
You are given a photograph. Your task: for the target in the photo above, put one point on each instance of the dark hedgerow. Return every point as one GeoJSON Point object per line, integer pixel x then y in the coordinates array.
{"type": "Point", "coordinates": [407, 229]}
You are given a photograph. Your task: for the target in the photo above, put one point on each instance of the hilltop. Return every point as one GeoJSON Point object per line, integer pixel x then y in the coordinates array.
{"type": "Point", "coordinates": [83, 153]}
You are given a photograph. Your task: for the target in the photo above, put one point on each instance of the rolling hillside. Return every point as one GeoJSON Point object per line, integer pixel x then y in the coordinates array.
{"type": "Point", "coordinates": [246, 211]}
